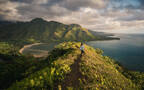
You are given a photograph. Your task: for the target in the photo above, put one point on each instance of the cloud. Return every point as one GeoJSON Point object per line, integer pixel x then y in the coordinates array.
{"type": "Point", "coordinates": [29, 9]}
{"type": "Point", "coordinates": [77, 4]}
{"type": "Point", "coordinates": [142, 3]}
{"type": "Point", "coordinates": [8, 10]}
{"type": "Point", "coordinates": [92, 14]}
{"type": "Point", "coordinates": [31, 1]}
{"type": "Point", "coordinates": [133, 15]}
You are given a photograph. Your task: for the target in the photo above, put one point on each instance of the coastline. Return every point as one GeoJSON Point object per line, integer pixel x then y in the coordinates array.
{"type": "Point", "coordinates": [28, 46]}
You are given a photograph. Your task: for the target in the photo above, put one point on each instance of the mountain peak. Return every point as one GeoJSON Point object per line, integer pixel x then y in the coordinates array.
{"type": "Point", "coordinates": [37, 20]}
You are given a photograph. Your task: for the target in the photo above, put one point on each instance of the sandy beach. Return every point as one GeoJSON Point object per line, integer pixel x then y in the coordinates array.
{"type": "Point", "coordinates": [28, 46]}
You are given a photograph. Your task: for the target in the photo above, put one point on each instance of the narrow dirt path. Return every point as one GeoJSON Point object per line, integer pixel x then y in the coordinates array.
{"type": "Point", "coordinates": [72, 79]}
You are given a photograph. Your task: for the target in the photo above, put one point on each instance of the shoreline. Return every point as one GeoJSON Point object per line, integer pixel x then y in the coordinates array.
{"type": "Point", "coordinates": [28, 46]}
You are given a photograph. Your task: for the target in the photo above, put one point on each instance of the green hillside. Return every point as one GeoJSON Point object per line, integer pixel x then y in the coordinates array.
{"type": "Point", "coordinates": [65, 68]}
{"type": "Point", "coordinates": [39, 30]}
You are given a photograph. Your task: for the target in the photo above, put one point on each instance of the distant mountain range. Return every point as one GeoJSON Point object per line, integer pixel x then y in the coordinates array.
{"type": "Point", "coordinates": [39, 30]}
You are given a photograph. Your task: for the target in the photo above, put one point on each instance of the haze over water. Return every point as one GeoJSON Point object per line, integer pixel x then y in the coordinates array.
{"type": "Point", "coordinates": [129, 50]}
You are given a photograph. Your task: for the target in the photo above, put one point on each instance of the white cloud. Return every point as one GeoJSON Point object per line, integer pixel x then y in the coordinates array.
{"type": "Point", "coordinates": [8, 10]}
{"type": "Point", "coordinates": [92, 14]}
{"type": "Point", "coordinates": [39, 1]}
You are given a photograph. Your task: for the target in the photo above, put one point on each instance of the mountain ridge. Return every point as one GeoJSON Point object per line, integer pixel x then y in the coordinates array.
{"type": "Point", "coordinates": [39, 30]}
{"type": "Point", "coordinates": [66, 68]}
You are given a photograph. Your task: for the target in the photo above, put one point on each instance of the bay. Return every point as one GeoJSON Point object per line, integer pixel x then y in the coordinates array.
{"type": "Point", "coordinates": [129, 50]}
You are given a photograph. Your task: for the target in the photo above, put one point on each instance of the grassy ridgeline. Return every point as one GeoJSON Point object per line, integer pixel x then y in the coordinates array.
{"type": "Point", "coordinates": [64, 68]}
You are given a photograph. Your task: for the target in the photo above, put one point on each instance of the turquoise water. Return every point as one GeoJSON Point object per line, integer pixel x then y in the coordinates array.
{"type": "Point", "coordinates": [129, 51]}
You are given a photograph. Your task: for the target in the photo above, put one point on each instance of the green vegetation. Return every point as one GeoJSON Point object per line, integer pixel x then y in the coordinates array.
{"type": "Point", "coordinates": [5, 48]}
{"type": "Point", "coordinates": [65, 68]}
{"type": "Point", "coordinates": [136, 77]}
{"type": "Point", "coordinates": [39, 30]}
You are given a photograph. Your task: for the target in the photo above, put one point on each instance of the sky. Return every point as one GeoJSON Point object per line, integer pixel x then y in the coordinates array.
{"type": "Point", "coordinates": [119, 16]}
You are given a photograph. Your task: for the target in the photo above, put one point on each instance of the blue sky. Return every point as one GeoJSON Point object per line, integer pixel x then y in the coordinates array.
{"type": "Point", "coordinates": [99, 15]}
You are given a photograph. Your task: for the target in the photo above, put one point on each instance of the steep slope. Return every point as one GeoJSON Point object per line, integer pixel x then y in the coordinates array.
{"type": "Point", "coordinates": [66, 68]}
{"type": "Point", "coordinates": [39, 30]}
